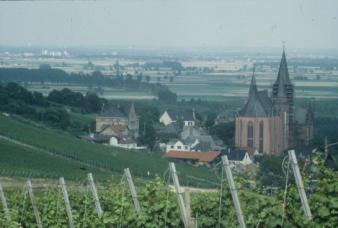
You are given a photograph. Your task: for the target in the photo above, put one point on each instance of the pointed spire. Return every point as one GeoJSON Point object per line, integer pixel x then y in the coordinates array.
{"type": "Point", "coordinates": [132, 112]}
{"type": "Point", "coordinates": [132, 108]}
{"type": "Point", "coordinates": [253, 86]}
{"type": "Point", "coordinates": [283, 72]}
{"type": "Point", "coordinates": [283, 79]}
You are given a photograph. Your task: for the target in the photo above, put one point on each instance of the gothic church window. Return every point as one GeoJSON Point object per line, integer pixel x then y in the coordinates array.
{"type": "Point", "coordinates": [261, 136]}
{"type": "Point", "coordinates": [250, 134]}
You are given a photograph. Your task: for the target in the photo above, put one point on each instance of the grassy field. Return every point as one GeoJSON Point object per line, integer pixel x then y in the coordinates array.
{"type": "Point", "coordinates": [111, 159]}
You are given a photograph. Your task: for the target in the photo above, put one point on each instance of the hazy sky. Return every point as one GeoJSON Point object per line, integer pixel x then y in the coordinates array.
{"type": "Point", "coordinates": [171, 23]}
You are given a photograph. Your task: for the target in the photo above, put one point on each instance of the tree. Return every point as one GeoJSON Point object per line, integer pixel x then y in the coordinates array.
{"type": "Point", "coordinates": [270, 171]}
{"type": "Point", "coordinates": [224, 131]}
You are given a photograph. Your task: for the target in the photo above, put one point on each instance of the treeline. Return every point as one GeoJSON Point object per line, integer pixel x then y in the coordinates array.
{"type": "Point", "coordinates": [45, 75]}
{"type": "Point", "coordinates": [15, 99]}
{"type": "Point", "coordinates": [89, 103]}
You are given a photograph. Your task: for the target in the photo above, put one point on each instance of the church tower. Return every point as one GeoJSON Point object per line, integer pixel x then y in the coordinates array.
{"type": "Point", "coordinates": [133, 122]}
{"type": "Point", "coordinates": [283, 101]}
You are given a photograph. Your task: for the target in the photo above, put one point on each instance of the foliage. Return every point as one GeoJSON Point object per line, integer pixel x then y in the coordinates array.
{"type": "Point", "coordinates": [159, 207]}
{"type": "Point", "coordinates": [88, 103]}
{"type": "Point", "coordinates": [270, 172]}
{"type": "Point", "coordinates": [224, 131]}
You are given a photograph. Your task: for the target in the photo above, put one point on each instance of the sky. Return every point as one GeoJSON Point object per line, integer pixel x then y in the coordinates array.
{"type": "Point", "coordinates": [171, 23]}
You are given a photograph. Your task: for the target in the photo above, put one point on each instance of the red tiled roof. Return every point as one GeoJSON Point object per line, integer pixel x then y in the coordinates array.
{"type": "Point", "coordinates": [188, 155]}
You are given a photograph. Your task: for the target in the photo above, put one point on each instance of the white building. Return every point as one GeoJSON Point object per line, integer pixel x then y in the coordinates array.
{"type": "Point", "coordinates": [239, 157]}
{"type": "Point", "coordinates": [114, 141]}
{"type": "Point", "coordinates": [181, 145]}
{"type": "Point", "coordinates": [169, 117]}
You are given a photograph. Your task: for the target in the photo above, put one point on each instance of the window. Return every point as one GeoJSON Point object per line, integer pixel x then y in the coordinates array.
{"type": "Point", "coordinates": [179, 147]}
{"type": "Point", "coordinates": [172, 147]}
{"type": "Point", "coordinates": [250, 134]}
{"type": "Point", "coordinates": [186, 147]}
{"type": "Point", "coordinates": [261, 136]}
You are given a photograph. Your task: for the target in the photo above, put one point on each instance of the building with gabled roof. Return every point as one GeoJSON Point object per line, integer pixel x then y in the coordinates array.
{"type": "Point", "coordinates": [273, 124]}
{"type": "Point", "coordinates": [187, 117]}
{"type": "Point", "coordinates": [120, 121]}
{"type": "Point", "coordinates": [196, 158]}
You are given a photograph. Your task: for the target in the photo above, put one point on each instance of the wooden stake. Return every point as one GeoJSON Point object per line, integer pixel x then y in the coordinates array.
{"type": "Point", "coordinates": [132, 190]}
{"type": "Point", "coordinates": [187, 203]}
{"type": "Point", "coordinates": [233, 191]}
{"type": "Point", "coordinates": [34, 205]}
{"type": "Point", "coordinates": [300, 185]}
{"type": "Point", "coordinates": [67, 204]}
{"type": "Point", "coordinates": [183, 211]}
{"type": "Point", "coordinates": [4, 204]}
{"type": "Point", "coordinates": [95, 195]}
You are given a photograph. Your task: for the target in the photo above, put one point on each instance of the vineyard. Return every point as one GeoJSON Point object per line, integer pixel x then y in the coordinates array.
{"type": "Point", "coordinates": [100, 159]}
{"type": "Point", "coordinates": [159, 206]}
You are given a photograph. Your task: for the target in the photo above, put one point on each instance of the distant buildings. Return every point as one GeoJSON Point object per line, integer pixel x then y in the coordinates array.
{"type": "Point", "coordinates": [118, 126]}
{"type": "Point", "coordinates": [273, 124]}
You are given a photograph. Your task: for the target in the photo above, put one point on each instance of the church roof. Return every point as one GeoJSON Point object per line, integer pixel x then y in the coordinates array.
{"type": "Point", "coordinates": [117, 110]}
{"type": "Point", "coordinates": [184, 115]}
{"type": "Point", "coordinates": [283, 78]}
{"type": "Point", "coordinates": [208, 156]}
{"type": "Point", "coordinates": [259, 104]}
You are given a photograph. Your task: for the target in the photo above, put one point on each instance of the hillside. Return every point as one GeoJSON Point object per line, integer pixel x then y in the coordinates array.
{"type": "Point", "coordinates": [18, 160]}
{"type": "Point", "coordinates": [71, 150]}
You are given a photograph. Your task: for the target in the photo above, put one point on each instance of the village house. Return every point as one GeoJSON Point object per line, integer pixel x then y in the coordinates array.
{"type": "Point", "coordinates": [195, 158]}
{"type": "Point", "coordinates": [181, 145]}
{"type": "Point", "coordinates": [188, 118]}
{"type": "Point", "coordinates": [239, 157]}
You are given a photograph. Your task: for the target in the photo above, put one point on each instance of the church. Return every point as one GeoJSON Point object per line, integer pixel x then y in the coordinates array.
{"type": "Point", "coordinates": [272, 124]}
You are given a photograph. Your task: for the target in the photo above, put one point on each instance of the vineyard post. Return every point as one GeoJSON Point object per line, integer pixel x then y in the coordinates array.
{"type": "Point", "coordinates": [300, 185]}
{"type": "Point", "coordinates": [4, 204]}
{"type": "Point", "coordinates": [33, 201]}
{"type": "Point", "coordinates": [187, 202]}
{"type": "Point", "coordinates": [95, 195]}
{"type": "Point", "coordinates": [132, 190]}
{"type": "Point", "coordinates": [178, 191]}
{"type": "Point", "coordinates": [67, 204]}
{"type": "Point", "coordinates": [233, 191]}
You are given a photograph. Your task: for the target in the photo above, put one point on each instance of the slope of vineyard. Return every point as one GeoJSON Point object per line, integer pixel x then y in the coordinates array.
{"type": "Point", "coordinates": [18, 160]}
{"type": "Point", "coordinates": [109, 158]}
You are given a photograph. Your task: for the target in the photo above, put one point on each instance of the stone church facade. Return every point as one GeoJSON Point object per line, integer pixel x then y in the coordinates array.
{"type": "Point", "coordinates": [272, 124]}
{"type": "Point", "coordinates": [118, 121]}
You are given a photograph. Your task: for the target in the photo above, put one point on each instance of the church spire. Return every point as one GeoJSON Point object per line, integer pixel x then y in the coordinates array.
{"type": "Point", "coordinates": [253, 86]}
{"type": "Point", "coordinates": [283, 79]}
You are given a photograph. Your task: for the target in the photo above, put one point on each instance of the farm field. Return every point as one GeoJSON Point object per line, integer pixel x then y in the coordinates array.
{"type": "Point", "coordinates": [111, 159]}
{"type": "Point", "coordinates": [218, 88]}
